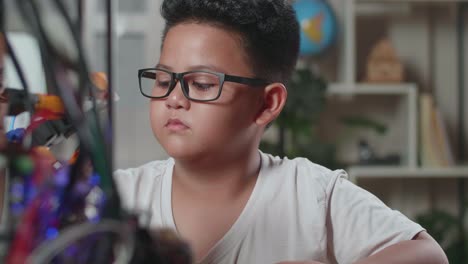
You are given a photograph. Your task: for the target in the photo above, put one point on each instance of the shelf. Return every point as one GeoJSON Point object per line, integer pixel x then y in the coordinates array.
{"type": "Point", "coordinates": [394, 7]}
{"type": "Point", "coordinates": [408, 91]}
{"type": "Point", "coordinates": [411, 1]}
{"type": "Point", "coordinates": [374, 8]}
{"type": "Point", "coordinates": [370, 89]}
{"type": "Point", "coordinates": [375, 172]}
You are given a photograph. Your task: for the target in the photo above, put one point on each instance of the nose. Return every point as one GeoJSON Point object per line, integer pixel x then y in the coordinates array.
{"type": "Point", "coordinates": [177, 99]}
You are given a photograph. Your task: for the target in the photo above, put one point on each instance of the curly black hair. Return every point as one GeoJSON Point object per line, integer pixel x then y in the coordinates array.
{"type": "Point", "coordinates": [269, 29]}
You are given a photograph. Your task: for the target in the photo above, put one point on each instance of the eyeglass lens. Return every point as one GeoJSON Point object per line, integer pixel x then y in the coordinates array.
{"type": "Point", "coordinates": [197, 85]}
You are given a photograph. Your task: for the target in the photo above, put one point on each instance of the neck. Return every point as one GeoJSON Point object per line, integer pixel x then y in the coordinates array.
{"type": "Point", "coordinates": [223, 175]}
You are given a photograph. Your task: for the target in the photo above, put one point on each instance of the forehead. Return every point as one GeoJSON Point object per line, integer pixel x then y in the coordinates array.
{"type": "Point", "coordinates": [191, 44]}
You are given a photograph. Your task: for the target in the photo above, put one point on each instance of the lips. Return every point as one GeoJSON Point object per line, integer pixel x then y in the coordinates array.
{"type": "Point", "coordinates": [175, 124]}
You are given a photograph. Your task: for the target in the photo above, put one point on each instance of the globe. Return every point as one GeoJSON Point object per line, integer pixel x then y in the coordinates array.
{"type": "Point", "coordinates": [318, 26]}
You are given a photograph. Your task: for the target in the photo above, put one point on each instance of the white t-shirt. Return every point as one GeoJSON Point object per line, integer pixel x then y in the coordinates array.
{"type": "Point", "coordinates": [297, 211]}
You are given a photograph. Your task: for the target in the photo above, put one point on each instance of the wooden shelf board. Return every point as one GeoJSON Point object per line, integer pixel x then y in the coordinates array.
{"type": "Point", "coordinates": [410, 1]}
{"type": "Point", "coordinates": [370, 89]}
{"type": "Point", "coordinates": [394, 7]}
{"type": "Point", "coordinates": [359, 172]}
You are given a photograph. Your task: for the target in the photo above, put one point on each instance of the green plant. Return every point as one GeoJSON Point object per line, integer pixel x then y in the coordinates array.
{"type": "Point", "coordinates": [297, 124]}
{"type": "Point", "coordinates": [445, 229]}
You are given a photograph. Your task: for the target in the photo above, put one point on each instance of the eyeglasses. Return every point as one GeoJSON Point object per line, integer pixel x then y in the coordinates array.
{"type": "Point", "coordinates": [201, 86]}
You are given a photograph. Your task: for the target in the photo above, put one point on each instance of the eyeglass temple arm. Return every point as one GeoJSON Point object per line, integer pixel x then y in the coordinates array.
{"type": "Point", "coordinates": [245, 80]}
{"type": "Point", "coordinates": [150, 75]}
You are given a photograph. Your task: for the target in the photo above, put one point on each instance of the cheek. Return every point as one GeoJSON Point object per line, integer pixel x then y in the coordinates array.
{"type": "Point", "coordinates": [156, 115]}
{"type": "Point", "coordinates": [219, 124]}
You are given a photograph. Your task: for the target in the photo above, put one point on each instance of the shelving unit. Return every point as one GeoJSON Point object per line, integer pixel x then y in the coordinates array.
{"type": "Point", "coordinates": [348, 86]}
{"type": "Point", "coordinates": [406, 90]}
{"type": "Point", "coordinates": [354, 8]}
{"type": "Point", "coordinates": [426, 37]}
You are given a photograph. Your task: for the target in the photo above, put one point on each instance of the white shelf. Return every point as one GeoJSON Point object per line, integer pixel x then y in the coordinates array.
{"type": "Point", "coordinates": [375, 172]}
{"type": "Point", "coordinates": [371, 89]}
{"type": "Point", "coordinates": [379, 8]}
{"type": "Point", "coordinates": [393, 7]}
{"type": "Point", "coordinates": [411, 1]}
{"type": "Point", "coordinates": [347, 86]}
{"type": "Point", "coordinates": [408, 91]}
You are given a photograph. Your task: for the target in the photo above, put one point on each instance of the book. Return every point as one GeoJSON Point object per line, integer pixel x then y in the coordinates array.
{"type": "Point", "coordinates": [435, 149]}
{"type": "Point", "coordinates": [441, 140]}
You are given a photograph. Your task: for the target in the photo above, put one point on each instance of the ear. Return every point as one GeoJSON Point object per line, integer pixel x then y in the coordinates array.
{"type": "Point", "coordinates": [274, 99]}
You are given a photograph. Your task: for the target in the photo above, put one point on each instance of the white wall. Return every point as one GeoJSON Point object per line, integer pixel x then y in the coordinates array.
{"type": "Point", "coordinates": [138, 27]}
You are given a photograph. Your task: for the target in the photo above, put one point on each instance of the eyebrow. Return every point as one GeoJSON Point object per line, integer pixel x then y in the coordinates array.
{"type": "Point", "coordinates": [164, 67]}
{"type": "Point", "coordinates": [208, 67]}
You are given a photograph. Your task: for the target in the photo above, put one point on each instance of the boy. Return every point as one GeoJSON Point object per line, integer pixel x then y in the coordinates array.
{"type": "Point", "coordinates": [216, 87]}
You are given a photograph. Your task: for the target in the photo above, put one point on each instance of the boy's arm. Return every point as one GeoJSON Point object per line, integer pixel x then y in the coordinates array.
{"type": "Point", "coordinates": [421, 249]}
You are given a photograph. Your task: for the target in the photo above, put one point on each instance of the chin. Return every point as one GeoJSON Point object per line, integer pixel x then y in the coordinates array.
{"type": "Point", "coordinates": [181, 155]}
{"type": "Point", "coordinates": [175, 151]}
{"type": "Point", "coordinates": [180, 151]}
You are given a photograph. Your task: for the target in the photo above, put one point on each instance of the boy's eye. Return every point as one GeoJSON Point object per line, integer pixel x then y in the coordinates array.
{"type": "Point", "coordinates": [202, 86]}
{"type": "Point", "coordinates": [162, 84]}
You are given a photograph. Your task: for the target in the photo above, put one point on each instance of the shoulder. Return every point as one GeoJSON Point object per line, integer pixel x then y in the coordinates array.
{"type": "Point", "coordinates": [148, 171]}
{"type": "Point", "coordinates": [135, 185]}
{"type": "Point", "coordinates": [303, 172]}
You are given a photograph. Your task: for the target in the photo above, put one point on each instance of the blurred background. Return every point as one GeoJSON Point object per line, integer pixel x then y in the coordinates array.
{"type": "Point", "coordinates": [380, 90]}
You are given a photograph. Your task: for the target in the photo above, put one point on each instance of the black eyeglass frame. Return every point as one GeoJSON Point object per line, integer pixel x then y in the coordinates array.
{"type": "Point", "coordinates": [178, 77]}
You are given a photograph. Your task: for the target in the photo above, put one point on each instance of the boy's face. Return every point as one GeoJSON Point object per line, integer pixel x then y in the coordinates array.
{"type": "Point", "coordinates": [188, 129]}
